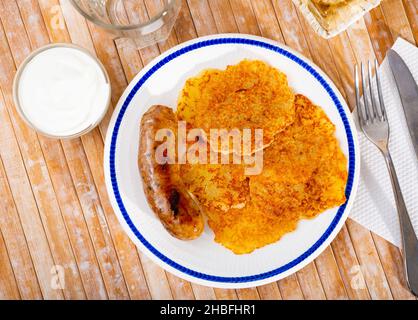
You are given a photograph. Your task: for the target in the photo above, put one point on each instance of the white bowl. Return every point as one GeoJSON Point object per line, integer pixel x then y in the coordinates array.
{"type": "Point", "coordinates": [28, 121]}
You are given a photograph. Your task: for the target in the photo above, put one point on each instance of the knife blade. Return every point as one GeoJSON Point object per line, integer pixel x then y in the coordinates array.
{"type": "Point", "coordinates": [408, 92]}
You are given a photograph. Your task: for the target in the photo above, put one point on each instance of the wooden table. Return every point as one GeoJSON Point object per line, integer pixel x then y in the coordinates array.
{"type": "Point", "coordinates": [59, 237]}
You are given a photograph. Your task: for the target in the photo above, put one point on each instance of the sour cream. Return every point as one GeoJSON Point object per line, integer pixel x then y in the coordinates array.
{"type": "Point", "coordinates": [62, 91]}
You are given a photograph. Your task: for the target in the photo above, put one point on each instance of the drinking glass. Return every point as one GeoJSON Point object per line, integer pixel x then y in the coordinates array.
{"type": "Point", "coordinates": [144, 21]}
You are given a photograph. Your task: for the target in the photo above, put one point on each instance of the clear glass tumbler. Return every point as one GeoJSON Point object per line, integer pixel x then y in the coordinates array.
{"type": "Point", "coordinates": [144, 21]}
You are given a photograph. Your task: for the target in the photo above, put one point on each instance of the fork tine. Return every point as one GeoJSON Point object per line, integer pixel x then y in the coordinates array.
{"type": "Point", "coordinates": [365, 98]}
{"type": "Point", "coordinates": [360, 113]}
{"type": "Point", "coordinates": [379, 91]}
{"type": "Point", "coordinates": [372, 95]}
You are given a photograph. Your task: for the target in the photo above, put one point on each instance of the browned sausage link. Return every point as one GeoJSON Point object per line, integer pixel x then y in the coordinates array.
{"type": "Point", "coordinates": [176, 208]}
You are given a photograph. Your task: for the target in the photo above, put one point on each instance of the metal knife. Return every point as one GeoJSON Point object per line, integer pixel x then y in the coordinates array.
{"type": "Point", "coordinates": [408, 91]}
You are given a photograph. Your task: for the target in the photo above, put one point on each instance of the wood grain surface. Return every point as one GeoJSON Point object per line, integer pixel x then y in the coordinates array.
{"type": "Point", "coordinates": [59, 237]}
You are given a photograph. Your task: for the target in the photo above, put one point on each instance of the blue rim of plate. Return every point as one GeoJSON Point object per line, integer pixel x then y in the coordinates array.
{"type": "Point", "coordinates": [251, 42]}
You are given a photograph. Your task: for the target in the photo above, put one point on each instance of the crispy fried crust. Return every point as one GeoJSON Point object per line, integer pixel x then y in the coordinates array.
{"type": "Point", "coordinates": [217, 186]}
{"type": "Point", "coordinates": [249, 95]}
{"type": "Point", "coordinates": [304, 174]}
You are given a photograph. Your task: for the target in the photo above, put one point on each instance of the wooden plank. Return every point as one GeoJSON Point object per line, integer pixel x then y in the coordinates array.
{"type": "Point", "coordinates": [349, 266]}
{"type": "Point", "coordinates": [344, 61]}
{"type": "Point", "coordinates": [290, 288]}
{"type": "Point", "coordinates": [75, 24]}
{"type": "Point", "coordinates": [54, 20]}
{"type": "Point", "coordinates": [180, 288]}
{"type": "Point", "coordinates": [203, 292]}
{"type": "Point", "coordinates": [22, 193]}
{"type": "Point", "coordinates": [225, 294]}
{"type": "Point", "coordinates": [321, 53]}
{"type": "Point", "coordinates": [15, 241]}
{"type": "Point", "coordinates": [360, 43]}
{"type": "Point", "coordinates": [394, 269]}
{"type": "Point", "coordinates": [8, 285]}
{"type": "Point", "coordinates": [125, 249]}
{"type": "Point", "coordinates": [184, 26]}
{"type": "Point", "coordinates": [35, 163]}
{"type": "Point", "coordinates": [61, 179]}
{"type": "Point", "coordinates": [310, 283]}
{"type": "Point", "coordinates": [93, 145]}
{"type": "Point", "coordinates": [291, 26]}
{"type": "Point", "coordinates": [369, 262]}
{"type": "Point", "coordinates": [202, 17]}
{"type": "Point", "coordinates": [248, 294]}
{"type": "Point", "coordinates": [379, 32]}
{"type": "Point", "coordinates": [95, 219]}
{"type": "Point", "coordinates": [244, 16]}
{"type": "Point", "coordinates": [222, 13]}
{"type": "Point", "coordinates": [397, 19]}
{"type": "Point", "coordinates": [267, 20]}
{"type": "Point", "coordinates": [269, 292]}
{"type": "Point", "coordinates": [330, 275]}
{"type": "Point", "coordinates": [411, 10]}
{"type": "Point", "coordinates": [157, 279]}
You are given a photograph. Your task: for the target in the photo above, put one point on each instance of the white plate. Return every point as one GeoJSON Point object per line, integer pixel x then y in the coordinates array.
{"type": "Point", "coordinates": [203, 260]}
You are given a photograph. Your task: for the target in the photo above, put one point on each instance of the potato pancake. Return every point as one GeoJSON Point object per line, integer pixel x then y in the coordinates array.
{"type": "Point", "coordinates": [305, 173]}
{"type": "Point", "coordinates": [304, 169]}
{"type": "Point", "coordinates": [249, 95]}
{"type": "Point", "coordinates": [217, 186]}
{"type": "Point", "coordinates": [244, 230]}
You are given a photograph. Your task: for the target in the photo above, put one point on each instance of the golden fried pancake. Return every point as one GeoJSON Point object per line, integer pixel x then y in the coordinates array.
{"type": "Point", "coordinates": [304, 174]}
{"type": "Point", "coordinates": [249, 95]}
{"type": "Point", "coordinates": [304, 168]}
{"type": "Point", "coordinates": [244, 230]}
{"type": "Point", "coordinates": [217, 186]}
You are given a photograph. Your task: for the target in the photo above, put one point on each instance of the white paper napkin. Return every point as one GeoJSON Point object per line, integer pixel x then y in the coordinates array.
{"type": "Point", "coordinates": [374, 206]}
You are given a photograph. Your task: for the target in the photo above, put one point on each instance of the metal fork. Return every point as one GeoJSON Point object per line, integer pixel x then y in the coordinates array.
{"type": "Point", "coordinates": [373, 121]}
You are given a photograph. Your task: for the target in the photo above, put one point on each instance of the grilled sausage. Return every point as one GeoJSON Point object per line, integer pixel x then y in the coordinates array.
{"type": "Point", "coordinates": [177, 209]}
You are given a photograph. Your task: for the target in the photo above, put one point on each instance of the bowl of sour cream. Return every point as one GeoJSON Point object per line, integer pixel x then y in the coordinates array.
{"type": "Point", "coordinates": [62, 91]}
